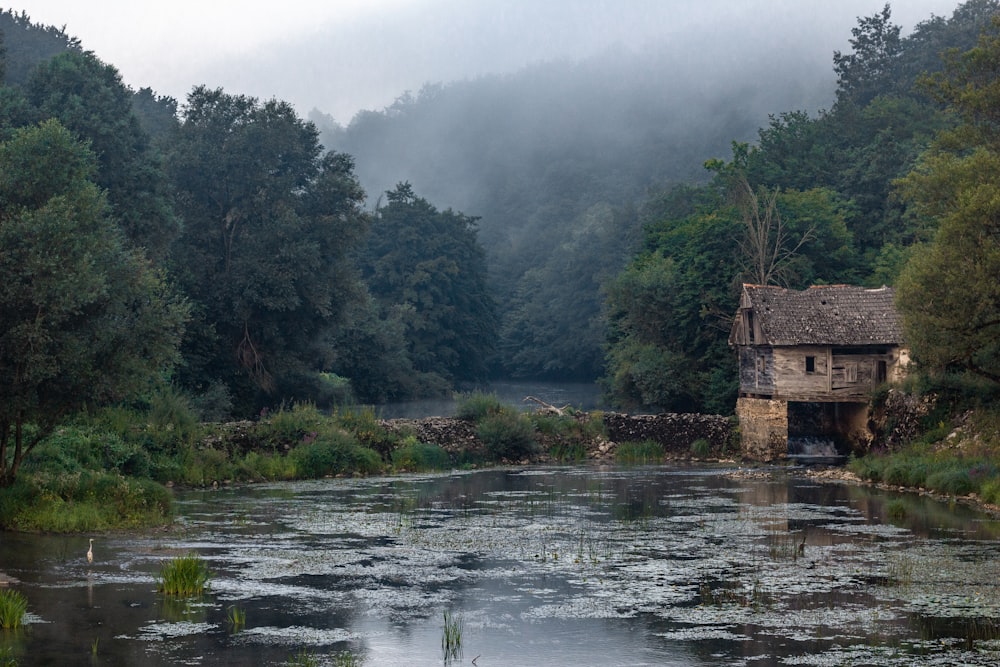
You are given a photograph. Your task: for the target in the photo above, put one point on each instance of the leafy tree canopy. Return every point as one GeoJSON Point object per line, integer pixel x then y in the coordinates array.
{"type": "Point", "coordinates": [949, 292]}
{"type": "Point", "coordinates": [83, 319]}
{"type": "Point", "coordinates": [268, 224]}
{"type": "Point", "coordinates": [428, 265]}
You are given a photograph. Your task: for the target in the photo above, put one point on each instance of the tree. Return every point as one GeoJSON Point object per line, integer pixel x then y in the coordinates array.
{"type": "Point", "coordinates": [869, 70]}
{"type": "Point", "coordinates": [949, 294]}
{"type": "Point", "coordinates": [83, 319]}
{"type": "Point", "coordinates": [429, 264]}
{"type": "Point", "coordinates": [268, 226]}
{"type": "Point", "coordinates": [89, 98]}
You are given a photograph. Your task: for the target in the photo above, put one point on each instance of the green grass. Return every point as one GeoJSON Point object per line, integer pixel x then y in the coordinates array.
{"type": "Point", "coordinates": [184, 576]}
{"type": "Point", "coordinates": [13, 605]}
{"type": "Point", "coordinates": [941, 471]}
{"type": "Point", "coordinates": [639, 453]}
{"type": "Point", "coordinates": [701, 448]}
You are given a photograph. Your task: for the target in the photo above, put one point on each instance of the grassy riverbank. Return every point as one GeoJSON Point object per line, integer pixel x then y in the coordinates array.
{"type": "Point", "coordinates": [111, 469]}
{"type": "Point", "coordinates": [951, 445]}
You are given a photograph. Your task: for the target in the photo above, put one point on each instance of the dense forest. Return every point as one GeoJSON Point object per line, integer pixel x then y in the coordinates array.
{"type": "Point", "coordinates": [571, 221]}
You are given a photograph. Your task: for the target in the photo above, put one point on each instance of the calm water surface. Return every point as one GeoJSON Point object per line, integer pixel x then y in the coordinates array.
{"type": "Point", "coordinates": [542, 566]}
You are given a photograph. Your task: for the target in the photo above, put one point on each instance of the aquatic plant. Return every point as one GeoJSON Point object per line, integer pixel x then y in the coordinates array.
{"type": "Point", "coordinates": [303, 659]}
{"type": "Point", "coordinates": [896, 509]}
{"type": "Point", "coordinates": [13, 605]}
{"type": "Point", "coordinates": [639, 453]}
{"type": "Point", "coordinates": [236, 618]}
{"type": "Point", "coordinates": [346, 659]}
{"type": "Point", "coordinates": [183, 576]}
{"type": "Point", "coordinates": [451, 637]}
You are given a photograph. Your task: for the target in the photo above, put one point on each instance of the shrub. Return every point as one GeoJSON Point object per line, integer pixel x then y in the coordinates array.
{"type": "Point", "coordinates": [366, 427]}
{"type": "Point", "coordinates": [13, 604]}
{"type": "Point", "coordinates": [83, 501]}
{"type": "Point", "coordinates": [183, 576]}
{"type": "Point", "coordinates": [477, 406]}
{"type": "Point", "coordinates": [416, 456]}
{"type": "Point", "coordinates": [951, 480]}
{"type": "Point", "coordinates": [507, 435]}
{"type": "Point", "coordinates": [288, 426]}
{"type": "Point", "coordinates": [990, 491]}
{"type": "Point", "coordinates": [332, 453]}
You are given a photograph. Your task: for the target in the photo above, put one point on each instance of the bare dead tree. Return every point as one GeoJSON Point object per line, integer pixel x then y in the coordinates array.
{"type": "Point", "coordinates": [768, 245]}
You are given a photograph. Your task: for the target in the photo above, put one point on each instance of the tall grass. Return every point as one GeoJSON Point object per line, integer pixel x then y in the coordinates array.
{"type": "Point", "coordinates": [184, 576]}
{"type": "Point", "coordinates": [943, 472]}
{"type": "Point", "coordinates": [639, 453]}
{"type": "Point", "coordinates": [451, 637]}
{"type": "Point", "coordinates": [13, 605]}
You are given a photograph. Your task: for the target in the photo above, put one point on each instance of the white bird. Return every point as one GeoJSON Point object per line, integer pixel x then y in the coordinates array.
{"type": "Point", "coordinates": [90, 551]}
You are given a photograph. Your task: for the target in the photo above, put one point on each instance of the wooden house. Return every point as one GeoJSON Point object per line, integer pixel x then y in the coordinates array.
{"type": "Point", "coordinates": [826, 344]}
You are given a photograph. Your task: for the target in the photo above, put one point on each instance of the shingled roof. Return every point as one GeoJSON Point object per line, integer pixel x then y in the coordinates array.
{"type": "Point", "coordinates": [824, 315]}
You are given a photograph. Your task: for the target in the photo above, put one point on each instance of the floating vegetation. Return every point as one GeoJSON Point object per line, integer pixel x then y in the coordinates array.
{"type": "Point", "coordinates": [632, 565]}
{"type": "Point", "coordinates": [13, 605]}
{"type": "Point", "coordinates": [183, 576]}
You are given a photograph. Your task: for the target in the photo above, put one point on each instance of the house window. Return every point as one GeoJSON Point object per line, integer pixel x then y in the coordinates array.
{"type": "Point", "coordinates": [851, 372]}
{"type": "Point", "coordinates": [810, 364]}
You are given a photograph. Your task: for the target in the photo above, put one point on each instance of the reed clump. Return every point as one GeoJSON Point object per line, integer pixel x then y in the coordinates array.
{"type": "Point", "coordinates": [451, 637]}
{"type": "Point", "coordinates": [640, 453]}
{"type": "Point", "coordinates": [184, 576]}
{"type": "Point", "coordinates": [13, 605]}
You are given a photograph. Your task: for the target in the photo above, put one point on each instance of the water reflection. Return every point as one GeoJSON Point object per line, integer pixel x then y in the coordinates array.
{"type": "Point", "coordinates": [584, 396]}
{"type": "Point", "coordinates": [554, 566]}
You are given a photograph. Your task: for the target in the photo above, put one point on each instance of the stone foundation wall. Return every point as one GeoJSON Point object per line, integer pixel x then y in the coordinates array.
{"type": "Point", "coordinates": [763, 428]}
{"type": "Point", "coordinates": [676, 432]}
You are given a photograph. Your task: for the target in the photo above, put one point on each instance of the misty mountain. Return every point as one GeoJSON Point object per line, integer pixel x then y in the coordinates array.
{"type": "Point", "coordinates": [537, 154]}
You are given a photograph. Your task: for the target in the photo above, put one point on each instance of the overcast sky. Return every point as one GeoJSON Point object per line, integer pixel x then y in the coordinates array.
{"type": "Point", "coordinates": [340, 56]}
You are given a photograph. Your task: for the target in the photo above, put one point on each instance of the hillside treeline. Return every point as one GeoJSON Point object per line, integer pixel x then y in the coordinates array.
{"type": "Point", "coordinates": [213, 247]}
{"type": "Point", "coordinates": [217, 247]}
{"type": "Point", "coordinates": [877, 190]}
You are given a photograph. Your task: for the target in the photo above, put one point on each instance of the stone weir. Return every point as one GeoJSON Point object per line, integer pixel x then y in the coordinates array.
{"type": "Point", "coordinates": [678, 433]}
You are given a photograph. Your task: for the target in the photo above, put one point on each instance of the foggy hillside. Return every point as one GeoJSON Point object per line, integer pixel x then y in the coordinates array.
{"type": "Point", "coordinates": [533, 153]}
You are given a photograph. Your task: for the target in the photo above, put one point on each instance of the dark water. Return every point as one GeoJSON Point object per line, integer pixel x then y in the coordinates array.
{"type": "Point", "coordinates": [566, 567]}
{"type": "Point", "coordinates": [583, 396]}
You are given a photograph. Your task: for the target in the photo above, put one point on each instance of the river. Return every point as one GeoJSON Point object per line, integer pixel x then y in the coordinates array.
{"type": "Point", "coordinates": [582, 395]}
{"type": "Point", "coordinates": [556, 566]}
